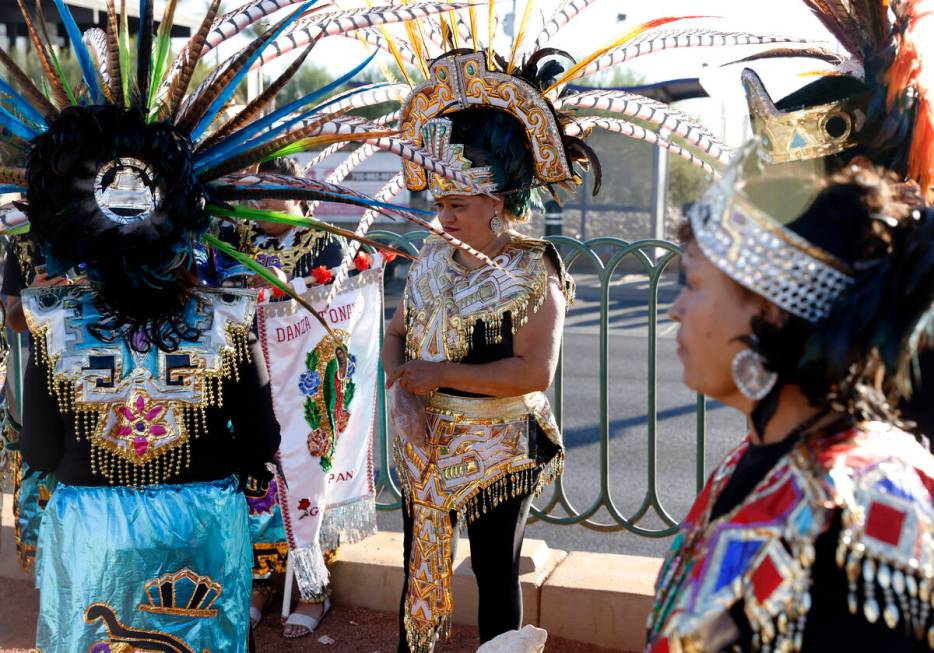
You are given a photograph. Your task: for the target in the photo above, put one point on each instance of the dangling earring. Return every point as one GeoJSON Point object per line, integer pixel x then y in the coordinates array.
{"type": "Point", "coordinates": [751, 377]}
{"type": "Point", "coordinates": [496, 224]}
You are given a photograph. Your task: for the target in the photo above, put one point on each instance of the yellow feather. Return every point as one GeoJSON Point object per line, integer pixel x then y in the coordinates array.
{"type": "Point", "coordinates": [625, 38]}
{"type": "Point", "coordinates": [491, 32]}
{"type": "Point", "coordinates": [473, 28]}
{"type": "Point", "coordinates": [520, 34]}
{"type": "Point", "coordinates": [396, 55]}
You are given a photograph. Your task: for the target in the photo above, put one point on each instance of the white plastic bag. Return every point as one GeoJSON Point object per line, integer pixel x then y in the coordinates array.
{"type": "Point", "coordinates": [407, 413]}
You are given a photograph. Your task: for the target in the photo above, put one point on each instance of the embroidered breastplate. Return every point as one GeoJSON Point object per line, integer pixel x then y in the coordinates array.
{"type": "Point", "coordinates": [444, 301]}
{"type": "Point", "coordinates": [760, 554]}
{"type": "Point", "coordinates": [137, 409]}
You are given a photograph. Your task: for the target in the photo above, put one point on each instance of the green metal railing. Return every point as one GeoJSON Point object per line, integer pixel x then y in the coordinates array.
{"type": "Point", "coordinates": [604, 257]}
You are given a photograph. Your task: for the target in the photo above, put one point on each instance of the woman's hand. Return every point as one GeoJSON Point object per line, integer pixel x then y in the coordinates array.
{"type": "Point", "coordinates": [418, 377]}
{"type": "Point", "coordinates": [44, 281]}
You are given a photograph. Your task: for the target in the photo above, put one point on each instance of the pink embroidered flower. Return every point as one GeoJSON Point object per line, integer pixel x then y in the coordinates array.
{"type": "Point", "coordinates": [142, 423]}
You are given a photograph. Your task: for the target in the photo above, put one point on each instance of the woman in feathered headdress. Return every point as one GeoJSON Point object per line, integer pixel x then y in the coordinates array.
{"type": "Point", "coordinates": [475, 343]}
{"type": "Point", "coordinates": [807, 296]}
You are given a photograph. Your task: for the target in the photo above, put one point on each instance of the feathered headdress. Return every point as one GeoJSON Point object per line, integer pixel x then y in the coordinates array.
{"type": "Point", "coordinates": [877, 103]}
{"type": "Point", "coordinates": [125, 171]}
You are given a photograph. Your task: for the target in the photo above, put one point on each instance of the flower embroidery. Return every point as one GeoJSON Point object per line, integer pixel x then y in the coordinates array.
{"type": "Point", "coordinates": [309, 383]}
{"type": "Point", "coordinates": [306, 509]}
{"type": "Point", "coordinates": [388, 256]}
{"type": "Point", "coordinates": [142, 423]}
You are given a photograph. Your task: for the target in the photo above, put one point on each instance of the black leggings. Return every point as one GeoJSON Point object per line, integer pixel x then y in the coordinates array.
{"type": "Point", "coordinates": [495, 548]}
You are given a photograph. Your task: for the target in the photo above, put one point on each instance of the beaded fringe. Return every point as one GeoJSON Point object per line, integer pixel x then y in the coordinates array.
{"type": "Point", "coordinates": [424, 641]}
{"type": "Point", "coordinates": [907, 596]}
{"type": "Point", "coordinates": [107, 460]}
{"type": "Point", "coordinates": [348, 523]}
{"type": "Point", "coordinates": [311, 574]}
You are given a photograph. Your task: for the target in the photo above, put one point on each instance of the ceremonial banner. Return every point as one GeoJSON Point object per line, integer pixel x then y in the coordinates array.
{"type": "Point", "coordinates": [324, 395]}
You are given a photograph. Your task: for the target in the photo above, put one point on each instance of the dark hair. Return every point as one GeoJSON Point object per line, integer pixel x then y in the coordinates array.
{"type": "Point", "coordinates": [856, 360]}
{"type": "Point", "coordinates": [282, 165]}
{"type": "Point", "coordinates": [141, 271]}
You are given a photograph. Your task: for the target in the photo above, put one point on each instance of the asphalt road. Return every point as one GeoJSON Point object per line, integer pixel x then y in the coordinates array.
{"type": "Point", "coordinates": [627, 416]}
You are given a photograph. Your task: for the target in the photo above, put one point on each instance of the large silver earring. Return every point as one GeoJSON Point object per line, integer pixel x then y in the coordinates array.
{"type": "Point", "coordinates": [751, 377]}
{"type": "Point", "coordinates": [496, 224]}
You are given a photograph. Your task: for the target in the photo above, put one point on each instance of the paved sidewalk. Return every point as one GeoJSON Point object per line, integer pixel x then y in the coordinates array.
{"type": "Point", "coordinates": [348, 630]}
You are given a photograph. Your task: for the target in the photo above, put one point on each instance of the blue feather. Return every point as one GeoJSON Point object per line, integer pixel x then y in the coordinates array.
{"type": "Point", "coordinates": [15, 125]}
{"type": "Point", "coordinates": [22, 106]}
{"type": "Point", "coordinates": [221, 100]}
{"type": "Point", "coordinates": [10, 188]}
{"type": "Point", "coordinates": [343, 196]}
{"type": "Point", "coordinates": [84, 57]}
{"type": "Point", "coordinates": [237, 143]}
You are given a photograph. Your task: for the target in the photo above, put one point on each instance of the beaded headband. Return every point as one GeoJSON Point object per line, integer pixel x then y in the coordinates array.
{"type": "Point", "coordinates": [761, 254]}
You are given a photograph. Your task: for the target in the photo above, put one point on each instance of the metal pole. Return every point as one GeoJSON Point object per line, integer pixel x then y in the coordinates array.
{"type": "Point", "coordinates": [554, 218]}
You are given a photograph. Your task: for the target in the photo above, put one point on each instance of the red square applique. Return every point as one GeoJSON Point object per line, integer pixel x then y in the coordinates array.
{"type": "Point", "coordinates": [884, 523]}
{"type": "Point", "coordinates": [765, 579]}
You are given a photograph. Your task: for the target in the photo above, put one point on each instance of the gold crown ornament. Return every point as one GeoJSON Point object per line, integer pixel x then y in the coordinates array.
{"type": "Point", "coordinates": [182, 593]}
{"type": "Point", "coordinates": [807, 133]}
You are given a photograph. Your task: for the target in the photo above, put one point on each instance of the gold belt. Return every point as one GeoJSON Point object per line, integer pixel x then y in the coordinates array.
{"type": "Point", "coordinates": [493, 408]}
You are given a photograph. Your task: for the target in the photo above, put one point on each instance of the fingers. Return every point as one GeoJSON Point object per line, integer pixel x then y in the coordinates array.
{"type": "Point", "coordinates": [393, 376]}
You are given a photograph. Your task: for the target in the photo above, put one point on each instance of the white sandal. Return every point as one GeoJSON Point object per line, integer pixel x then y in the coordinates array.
{"type": "Point", "coordinates": [306, 623]}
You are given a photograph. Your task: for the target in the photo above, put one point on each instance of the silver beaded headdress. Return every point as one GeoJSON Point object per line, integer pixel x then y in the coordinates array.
{"type": "Point", "coordinates": [758, 251]}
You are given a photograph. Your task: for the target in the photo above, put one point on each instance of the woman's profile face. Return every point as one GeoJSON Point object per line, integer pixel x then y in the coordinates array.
{"type": "Point", "coordinates": [713, 312]}
{"type": "Point", "coordinates": [467, 217]}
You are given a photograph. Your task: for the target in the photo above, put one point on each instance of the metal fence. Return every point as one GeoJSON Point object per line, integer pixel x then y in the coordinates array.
{"type": "Point", "coordinates": [602, 257]}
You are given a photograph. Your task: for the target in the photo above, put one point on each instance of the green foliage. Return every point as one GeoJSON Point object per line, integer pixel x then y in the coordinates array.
{"type": "Point", "coordinates": [686, 182]}
{"type": "Point", "coordinates": [308, 79]}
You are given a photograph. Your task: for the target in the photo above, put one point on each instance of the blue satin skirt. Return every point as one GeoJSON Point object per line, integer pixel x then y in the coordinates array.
{"type": "Point", "coordinates": [165, 568]}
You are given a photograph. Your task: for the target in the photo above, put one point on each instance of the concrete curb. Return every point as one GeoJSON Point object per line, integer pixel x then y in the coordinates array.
{"type": "Point", "coordinates": [597, 598]}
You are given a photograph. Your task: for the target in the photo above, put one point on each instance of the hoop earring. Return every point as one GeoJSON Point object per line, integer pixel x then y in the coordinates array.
{"type": "Point", "coordinates": [496, 224]}
{"type": "Point", "coordinates": [751, 377]}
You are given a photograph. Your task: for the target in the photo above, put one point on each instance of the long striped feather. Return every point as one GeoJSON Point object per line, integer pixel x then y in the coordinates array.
{"type": "Point", "coordinates": [317, 26]}
{"type": "Point", "coordinates": [671, 39]}
{"type": "Point", "coordinates": [237, 20]}
{"type": "Point", "coordinates": [294, 116]}
{"type": "Point", "coordinates": [269, 277]}
{"type": "Point", "coordinates": [340, 173]}
{"type": "Point", "coordinates": [335, 130]}
{"type": "Point", "coordinates": [45, 58]}
{"type": "Point", "coordinates": [403, 54]}
{"type": "Point", "coordinates": [81, 52]}
{"type": "Point", "coordinates": [520, 35]}
{"type": "Point", "coordinates": [572, 73]}
{"type": "Point", "coordinates": [423, 159]}
{"type": "Point", "coordinates": [96, 41]}
{"type": "Point", "coordinates": [258, 104]}
{"type": "Point", "coordinates": [385, 194]}
{"type": "Point", "coordinates": [657, 113]}
{"type": "Point", "coordinates": [565, 13]}
{"type": "Point", "coordinates": [16, 126]}
{"type": "Point", "coordinates": [626, 128]}
{"type": "Point", "coordinates": [203, 112]}
{"type": "Point", "coordinates": [821, 54]}
{"type": "Point", "coordinates": [334, 148]}
{"type": "Point", "coordinates": [28, 88]}
{"type": "Point", "coordinates": [113, 54]}
{"type": "Point", "coordinates": [186, 62]}
{"type": "Point", "coordinates": [161, 53]}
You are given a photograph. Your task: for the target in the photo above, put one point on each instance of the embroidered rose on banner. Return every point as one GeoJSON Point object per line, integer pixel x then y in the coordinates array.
{"type": "Point", "coordinates": [306, 509]}
{"type": "Point", "coordinates": [328, 387]}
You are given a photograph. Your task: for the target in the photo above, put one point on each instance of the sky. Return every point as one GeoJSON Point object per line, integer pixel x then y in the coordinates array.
{"type": "Point", "coordinates": [606, 20]}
